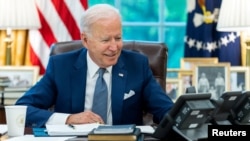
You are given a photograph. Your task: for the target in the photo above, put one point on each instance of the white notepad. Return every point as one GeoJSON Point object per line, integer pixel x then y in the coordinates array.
{"type": "Point", "coordinates": [3, 129]}
{"type": "Point", "coordinates": [66, 130]}
{"type": "Point", "coordinates": [146, 129]}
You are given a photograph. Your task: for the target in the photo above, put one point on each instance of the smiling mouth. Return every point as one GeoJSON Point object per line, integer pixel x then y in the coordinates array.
{"type": "Point", "coordinates": [110, 55]}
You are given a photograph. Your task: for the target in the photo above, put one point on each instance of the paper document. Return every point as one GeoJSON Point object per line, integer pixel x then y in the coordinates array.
{"type": "Point", "coordinates": [146, 129]}
{"type": "Point", "coordinates": [3, 129]}
{"type": "Point", "coordinates": [65, 130]}
{"type": "Point", "coordinates": [32, 138]}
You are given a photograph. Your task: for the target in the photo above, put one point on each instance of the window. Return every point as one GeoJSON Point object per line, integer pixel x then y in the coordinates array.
{"type": "Point", "coordinates": [154, 20]}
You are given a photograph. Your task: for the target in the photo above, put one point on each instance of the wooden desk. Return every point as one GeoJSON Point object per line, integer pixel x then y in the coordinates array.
{"type": "Point", "coordinates": [3, 138]}
{"type": "Point", "coordinates": [2, 115]}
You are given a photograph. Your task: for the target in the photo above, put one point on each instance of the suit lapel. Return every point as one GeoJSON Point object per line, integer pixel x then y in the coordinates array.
{"type": "Point", "coordinates": [119, 77]}
{"type": "Point", "coordinates": [78, 82]}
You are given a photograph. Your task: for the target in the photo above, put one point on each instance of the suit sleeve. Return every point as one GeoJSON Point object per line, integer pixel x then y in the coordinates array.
{"type": "Point", "coordinates": [39, 99]}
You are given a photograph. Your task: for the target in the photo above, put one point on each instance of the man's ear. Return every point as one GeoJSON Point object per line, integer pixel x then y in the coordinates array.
{"type": "Point", "coordinates": [84, 39]}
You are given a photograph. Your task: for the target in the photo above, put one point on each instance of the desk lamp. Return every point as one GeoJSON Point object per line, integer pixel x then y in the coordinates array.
{"type": "Point", "coordinates": [17, 14]}
{"type": "Point", "coordinates": [234, 16]}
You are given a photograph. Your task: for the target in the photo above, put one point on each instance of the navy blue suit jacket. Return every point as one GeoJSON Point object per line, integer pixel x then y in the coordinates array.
{"type": "Point", "coordinates": [64, 84]}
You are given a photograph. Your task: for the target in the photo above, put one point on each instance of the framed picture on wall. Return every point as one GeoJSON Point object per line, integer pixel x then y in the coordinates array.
{"type": "Point", "coordinates": [240, 76]}
{"type": "Point", "coordinates": [188, 63]}
{"type": "Point", "coordinates": [173, 87]}
{"type": "Point", "coordinates": [186, 77]}
{"type": "Point", "coordinates": [21, 77]}
{"type": "Point", "coordinates": [213, 78]}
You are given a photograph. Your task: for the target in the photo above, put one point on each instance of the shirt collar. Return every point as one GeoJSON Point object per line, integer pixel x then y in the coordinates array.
{"type": "Point", "coordinates": [93, 67]}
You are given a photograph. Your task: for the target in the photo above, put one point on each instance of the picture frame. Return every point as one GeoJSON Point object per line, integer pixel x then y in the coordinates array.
{"type": "Point", "coordinates": [186, 77]}
{"type": "Point", "coordinates": [188, 63]}
{"type": "Point", "coordinates": [21, 77]}
{"type": "Point", "coordinates": [240, 76]}
{"type": "Point", "coordinates": [173, 88]}
{"type": "Point", "coordinates": [39, 77]}
{"type": "Point", "coordinates": [212, 78]}
{"type": "Point", "coordinates": [172, 73]}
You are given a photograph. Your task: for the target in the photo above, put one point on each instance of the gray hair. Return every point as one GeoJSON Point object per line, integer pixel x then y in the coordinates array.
{"type": "Point", "coordinates": [95, 13]}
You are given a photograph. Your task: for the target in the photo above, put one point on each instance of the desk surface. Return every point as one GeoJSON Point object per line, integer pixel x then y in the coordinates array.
{"type": "Point", "coordinates": [29, 137]}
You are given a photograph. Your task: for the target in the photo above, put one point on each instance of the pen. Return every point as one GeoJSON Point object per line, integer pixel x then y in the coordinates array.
{"type": "Point", "coordinates": [71, 126]}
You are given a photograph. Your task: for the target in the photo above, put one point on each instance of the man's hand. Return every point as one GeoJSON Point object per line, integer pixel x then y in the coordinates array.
{"type": "Point", "coordinates": [83, 118]}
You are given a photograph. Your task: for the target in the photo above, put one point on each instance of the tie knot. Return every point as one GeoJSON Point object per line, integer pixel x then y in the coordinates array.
{"type": "Point", "coordinates": [101, 71]}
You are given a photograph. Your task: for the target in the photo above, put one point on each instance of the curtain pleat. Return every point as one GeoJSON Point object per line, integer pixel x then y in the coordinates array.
{"type": "Point", "coordinates": [2, 47]}
{"type": "Point", "coordinates": [243, 47]}
{"type": "Point", "coordinates": [18, 47]}
{"type": "Point", "coordinates": [27, 61]}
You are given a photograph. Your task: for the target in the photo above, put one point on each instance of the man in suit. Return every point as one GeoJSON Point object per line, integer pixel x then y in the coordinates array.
{"type": "Point", "coordinates": [69, 82]}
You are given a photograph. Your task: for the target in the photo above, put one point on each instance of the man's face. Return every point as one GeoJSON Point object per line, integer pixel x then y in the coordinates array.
{"type": "Point", "coordinates": [105, 44]}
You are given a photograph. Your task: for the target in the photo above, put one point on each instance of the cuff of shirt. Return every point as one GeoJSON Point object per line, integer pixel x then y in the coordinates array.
{"type": "Point", "coordinates": [57, 118]}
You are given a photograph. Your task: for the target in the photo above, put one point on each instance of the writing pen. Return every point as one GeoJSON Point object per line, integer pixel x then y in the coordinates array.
{"type": "Point", "coordinates": [71, 126]}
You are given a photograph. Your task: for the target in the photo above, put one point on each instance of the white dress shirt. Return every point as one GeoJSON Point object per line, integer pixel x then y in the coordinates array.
{"type": "Point", "coordinates": [60, 118]}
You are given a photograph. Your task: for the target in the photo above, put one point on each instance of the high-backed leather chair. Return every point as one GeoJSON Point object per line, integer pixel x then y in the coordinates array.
{"type": "Point", "coordinates": [156, 52]}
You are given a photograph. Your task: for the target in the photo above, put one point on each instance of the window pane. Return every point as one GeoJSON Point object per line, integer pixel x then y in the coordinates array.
{"type": "Point", "coordinates": [93, 2]}
{"type": "Point", "coordinates": [140, 10]}
{"type": "Point", "coordinates": [175, 12]}
{"type": "Point", "coordinates": [174, 39]}
{"type": "Point", "coordinates": [140, 33]}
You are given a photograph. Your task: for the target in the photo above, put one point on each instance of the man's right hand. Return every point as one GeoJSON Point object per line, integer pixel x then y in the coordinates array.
{"type": "Point", "coordinates": [83, 118]}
